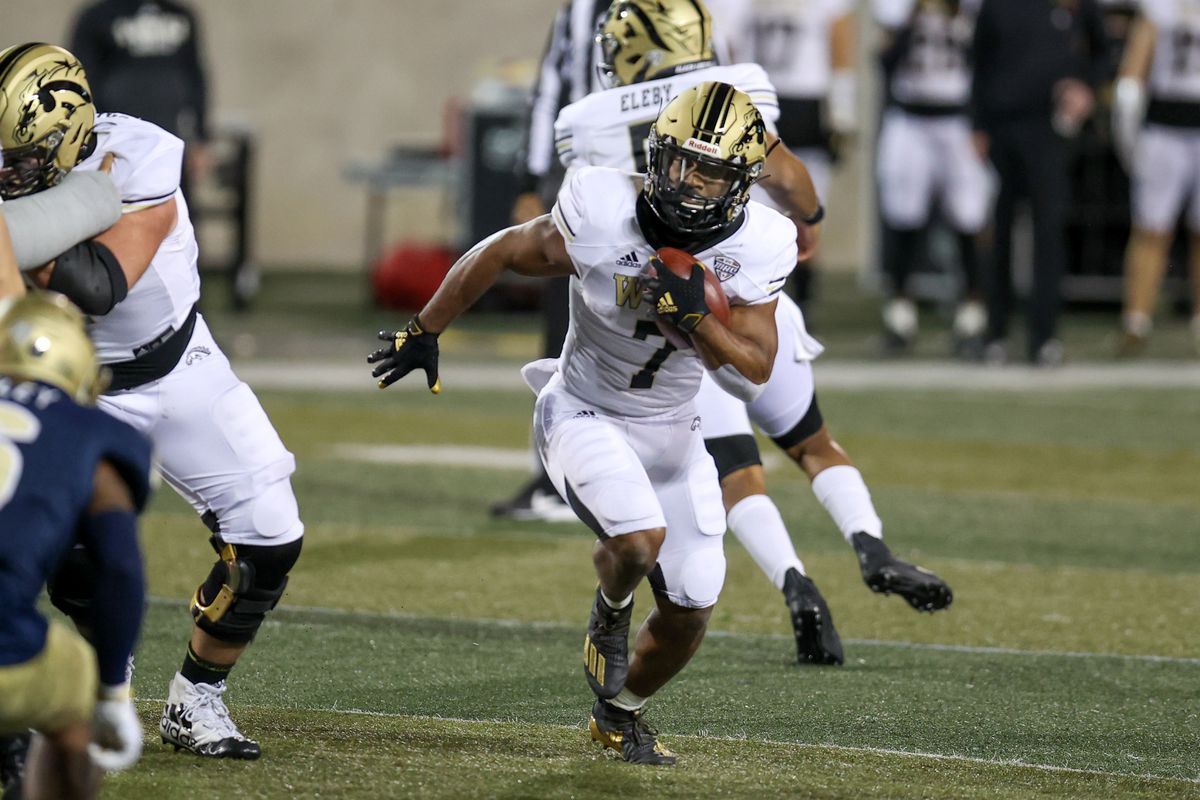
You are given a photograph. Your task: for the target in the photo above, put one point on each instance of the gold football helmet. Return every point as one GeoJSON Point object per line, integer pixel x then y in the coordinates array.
{"type": "Point", "coordinates": [707, 148]}
{"type": "Point", "coordinates": [42, 338]}
{"type": "Point", "coordinates": [644, 39]}
{"type": "Point", "coordinates": [46, 117]}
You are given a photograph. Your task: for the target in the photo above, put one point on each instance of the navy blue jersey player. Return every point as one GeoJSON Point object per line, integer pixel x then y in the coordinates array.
{"type": "Point", "coordinates": [70, 476]}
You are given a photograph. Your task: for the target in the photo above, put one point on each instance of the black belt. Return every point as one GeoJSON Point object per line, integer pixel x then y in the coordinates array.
{"type": "Point", "coordinates": [931, 110]}
{"type": "Point", "coordinates": [1175, 113]}
{"type": "Point", "coordinates": [153, 360]}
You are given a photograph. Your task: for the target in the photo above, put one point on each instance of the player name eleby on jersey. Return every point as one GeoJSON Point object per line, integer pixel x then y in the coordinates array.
{"type": "Point", "coordinates": [651, 97]}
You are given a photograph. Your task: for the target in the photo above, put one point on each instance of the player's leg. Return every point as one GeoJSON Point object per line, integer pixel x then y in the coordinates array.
{"type": "Point", "coordinates": [906, 167]}
{"type": "Point", "coordinates": [788, 412]}
{"type": "Point", "coordinates": [999, 286]}
{"type": "Point", "coordinates": [1159, 188]}
{"type": "Point", "coordinates": [966, 195]}
{"type": "Point", "coordinates": [686, 580]}
{"type": "Point", "coordinates": [593, 465]}
{"type": "Point", "coordinates": [1194, 268]}
{"type": "Point", "coordinates": [217, 448]}
{"type": "Point", "coordinates": [53, 693]}
{"type": "Point", "coordinates": [758, 525]}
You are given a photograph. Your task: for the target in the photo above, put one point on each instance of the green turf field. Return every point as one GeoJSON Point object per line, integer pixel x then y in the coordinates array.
{"type": "Point", "coordinates": [427, 651]}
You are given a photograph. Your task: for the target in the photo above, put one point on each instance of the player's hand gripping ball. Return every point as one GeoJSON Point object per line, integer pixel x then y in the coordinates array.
{"type": "Point", "coordinates": [683, 292]}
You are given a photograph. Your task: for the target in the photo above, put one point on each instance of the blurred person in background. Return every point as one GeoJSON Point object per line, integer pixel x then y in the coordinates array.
{"type": "Point", "coordinates": [567, 73]}
{"type": "Point", "coordinates": [144, 59]}
{"type": "Point", "coordinates": [1036, 65]}
{"type": "Point", "coordinates": [138, 284]}
{"type": "Point", "coordinates": [1156, 128]}
{"type": "Point", "coordinates": [808, 48]}
{"type": "Point", "coordinates": [71, 476]}
{"type": "Point", "coordinates": [926, 159]}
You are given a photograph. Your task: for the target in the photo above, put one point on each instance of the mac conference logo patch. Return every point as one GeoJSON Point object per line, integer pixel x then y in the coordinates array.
{"type": "Point", "coordinates": [725, 267]}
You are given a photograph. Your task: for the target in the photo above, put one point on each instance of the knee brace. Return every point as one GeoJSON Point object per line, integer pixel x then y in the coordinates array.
{"type": "Point", "coordinates": [72, 588]}
{"type": "Point", "coordinates": [246, 582]}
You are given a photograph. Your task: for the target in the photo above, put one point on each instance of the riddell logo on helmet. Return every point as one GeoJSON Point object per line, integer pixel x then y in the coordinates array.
{"type": "Point", "coordinates": [702, 147]}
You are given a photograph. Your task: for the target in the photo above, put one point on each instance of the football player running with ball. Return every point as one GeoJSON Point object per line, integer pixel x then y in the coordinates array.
{"type": "Point", "coordinates": [138, 284]}
{"type": "Point", "coordinates": [615, 421]}
{"type": "Point", "coordinates": [658, 48]}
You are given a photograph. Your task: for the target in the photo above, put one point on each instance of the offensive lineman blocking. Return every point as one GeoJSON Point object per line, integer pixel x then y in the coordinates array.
{"type": "Point", "coordinates": [138, 284]}
{"type": "Point", "coordinates": [614, 421]}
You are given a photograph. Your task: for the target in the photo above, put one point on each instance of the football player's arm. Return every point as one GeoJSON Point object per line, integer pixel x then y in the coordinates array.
{"type": "Point", "coordinates": [11, 284]}
{"type": "Point", "coordinates": [534, 249]}
{"type": "Point", "coordinates": [1129, 95]}
{"type": "Point", "coordinates": [748, 345]}
{"type": "Point", "coordinates": [843, 86]}
{"type": "Point", "coordinates": [109, 533]}
{"type": "Point", "coordinates": [788, 183]}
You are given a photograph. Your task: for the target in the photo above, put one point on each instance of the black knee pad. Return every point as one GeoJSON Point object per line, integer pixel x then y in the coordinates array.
{"type": "Point", "coordinates": [246, 582]}
{"type": "Point", "coordinates": [806, 427]}
{"type": "Point", "coordinates": [72, 588]}
{"type": "Point", "coordinates": [731, 453]}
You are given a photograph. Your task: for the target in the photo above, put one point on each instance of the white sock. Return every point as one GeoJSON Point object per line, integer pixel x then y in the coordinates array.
{"type": "Point", "coordinates": [616, 605]}
{"type": "Point", "coordinates": [627, 700]}
{"type": "Point", "coordinates": [845, 496]}
{"type": "Point", "coordinates": [757, 524]}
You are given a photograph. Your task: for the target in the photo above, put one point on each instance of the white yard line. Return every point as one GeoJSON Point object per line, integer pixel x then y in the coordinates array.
{"type": "Point", "coordinates": [563, 626]}
{"type": "Point", "coordinates": [500, 458]}
{"type": "Point", "coordinates": [339, 376]}
{"type": "Point", "coordinates": [882, 751]}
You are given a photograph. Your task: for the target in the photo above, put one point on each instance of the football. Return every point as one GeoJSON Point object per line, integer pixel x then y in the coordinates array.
{"type": "Point", "coordinates": [680, 262]}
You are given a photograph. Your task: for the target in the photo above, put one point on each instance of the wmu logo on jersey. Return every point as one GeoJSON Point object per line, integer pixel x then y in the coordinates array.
{"type": "Point", "coordinates": [629, 290]}
{"type": "Point", "coordinates": [725, 267]}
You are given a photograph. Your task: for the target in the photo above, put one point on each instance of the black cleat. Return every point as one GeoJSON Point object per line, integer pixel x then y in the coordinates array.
{"type": "Point", "coordinates": [886, 574]}
{"type": "Point", "coordinates": [606, 648]}
{"type": "Point", "coordinates": [628, 734]}
{"type": "Point", "coordinates": [537, 500]}
{"type": "Point", "coordinates": [817, 641]}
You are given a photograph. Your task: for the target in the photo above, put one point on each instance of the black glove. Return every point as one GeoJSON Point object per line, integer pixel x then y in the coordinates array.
{"type": "Point", "coordinates": [409, 349]}
{"type": "Point", "coordinates": [678, 300]}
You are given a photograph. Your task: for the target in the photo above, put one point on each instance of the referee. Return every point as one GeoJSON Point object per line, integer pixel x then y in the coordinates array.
{"type": "Point", "coordinates": [1037, 64]}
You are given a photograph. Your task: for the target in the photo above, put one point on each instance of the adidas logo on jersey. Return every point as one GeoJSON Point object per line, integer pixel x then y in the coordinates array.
{"type": "Point", "coordinates": [629, 260]}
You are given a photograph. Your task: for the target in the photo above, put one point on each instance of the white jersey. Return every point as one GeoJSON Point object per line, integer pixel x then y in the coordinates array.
{"type": "Point", "coordinates": [614, 355]}
{"type": "Point", "coordinates": [609, 128]}
{"type": "Point", "coordinates": [791, 40]}
{"type": "Point", "coordinates": [147, 172]}
{"type": "Point", "coordinates": [1175, 71]}
{"type": "Point", "coordinates": [934, 70]}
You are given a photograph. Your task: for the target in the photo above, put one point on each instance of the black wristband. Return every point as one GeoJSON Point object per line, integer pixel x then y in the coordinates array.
{"type": "Point", "coordinates": [816, 216]}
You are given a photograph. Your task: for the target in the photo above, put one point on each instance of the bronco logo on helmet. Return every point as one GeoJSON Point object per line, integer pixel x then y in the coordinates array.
{"type": "Point", "coordinates": [707, 148]}
{"type": "Point", "coordinates": [46, 117]}
{"type": "Point", "coordinates": [644, 39]}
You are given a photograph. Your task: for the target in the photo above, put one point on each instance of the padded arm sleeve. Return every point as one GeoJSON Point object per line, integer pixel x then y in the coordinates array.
{"type": "Point", "coordinates": [90, 275]}
{"type": "Point", "coordinates": [45, 224]}
{"type": "Point", "coordinates": [111, 539]}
